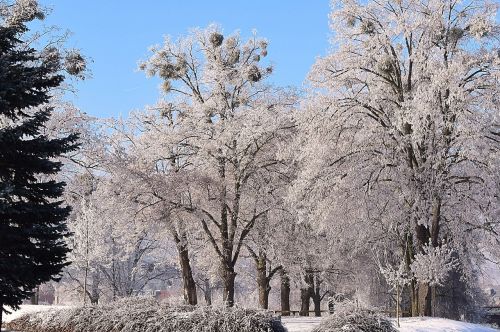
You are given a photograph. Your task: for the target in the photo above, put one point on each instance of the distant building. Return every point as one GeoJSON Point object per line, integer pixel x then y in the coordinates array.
{"type": "Point", "coordinates": [162, 294]}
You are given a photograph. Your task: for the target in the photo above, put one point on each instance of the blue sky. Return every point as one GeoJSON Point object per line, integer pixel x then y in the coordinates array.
{"type": "Point", "coordinates": [116, 34]}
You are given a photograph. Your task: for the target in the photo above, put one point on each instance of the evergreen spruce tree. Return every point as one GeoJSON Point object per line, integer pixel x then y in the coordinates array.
{"type": "Point", "coordinates": [32, 216]}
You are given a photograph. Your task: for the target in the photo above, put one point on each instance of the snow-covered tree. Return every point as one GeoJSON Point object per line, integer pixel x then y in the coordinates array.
{"type": "Point", "coordinates": [221, 121]}
{"type": "Point", "coordinates": [397, 277]}
{"type": "Point", "coordinates": [405, 121]}
{"type": "Point", "coordinates": [156, 187]}
{"type": "Point", "coordinates": [115, 251]}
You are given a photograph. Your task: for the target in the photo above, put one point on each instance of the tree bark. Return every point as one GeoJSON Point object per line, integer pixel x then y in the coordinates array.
{"type": "Point", "coordinates": [94, 295]}
{"type": "Point", "coordinates": [35, 296]}
{"type": "Point", "coordinates": [426, 236]}
{"type": "Point", "coordinates": [409, 256]}
{"type": "Point", "coordinates": [317, 297]}
{"type": "Point", "coordinates": [189, 285]}
{"type": "Point", "coordinates": [424, 299]}
{"type": "Point", "coordinates": [317, 305]}
{"type": "Point", "coordinates": [433, 301]}
{"type": "Point", "coordinates": [305, 294]}
{"type": "Point", "coordinates": [263, 283]}
{"type": "Point", "coordinates": [423, 290]}
{"type": "Point", "coordinates": [229, 277]}
{"type": "Point", "coordinates": [285, 294]}
{"type": "Point", "coordinates": [436, 219]}
{"type": "Point", "coordinates": [207, 292]}
{"type": "Point", "coordinates": [305, 297]}
{"type": "Point", "coordinates": [414, 299]}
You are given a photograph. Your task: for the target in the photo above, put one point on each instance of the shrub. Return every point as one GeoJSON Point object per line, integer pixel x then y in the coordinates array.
{"type": "Point", "coordinates": [351, 319]}
{"type": "Point", "coordinates": [147, 315]}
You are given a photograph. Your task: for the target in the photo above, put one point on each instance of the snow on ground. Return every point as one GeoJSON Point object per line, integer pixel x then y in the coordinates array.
{"type": "Point", "coordinates": [427, 324]}
{"type": "Point", "coordinates": [419, 324]}
{"type": "Point", "coordinates": [300, 324]}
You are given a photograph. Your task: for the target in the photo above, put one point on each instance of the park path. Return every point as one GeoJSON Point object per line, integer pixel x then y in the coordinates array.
{"type": "Point", "coordinates": [300, 324]}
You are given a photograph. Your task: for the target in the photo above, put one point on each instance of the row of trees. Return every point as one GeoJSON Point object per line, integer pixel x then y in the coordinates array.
{"type": "Point", "coordinates": [203, 165]}
{"type": "Point", "coordinates": [382, 177]}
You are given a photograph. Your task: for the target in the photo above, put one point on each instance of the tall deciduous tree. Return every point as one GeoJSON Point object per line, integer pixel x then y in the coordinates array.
{"type": "Point", "coordinates": [156, 187]}
{"type": "Point", "coordinates": [222, 122]}
{"type": "Point", "coordinates": [32, 216]}
{"type": "Point", "coordinates": [407, 126]}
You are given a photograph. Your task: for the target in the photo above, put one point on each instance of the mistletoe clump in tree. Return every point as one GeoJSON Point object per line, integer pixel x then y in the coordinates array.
{"type": "Point", "coordinates": [32, 228]}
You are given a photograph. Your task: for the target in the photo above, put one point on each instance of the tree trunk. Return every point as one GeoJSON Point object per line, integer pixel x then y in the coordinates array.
{"type": "Point", "coordinates": [433, 301]}
{"type": "Point", "coordinates": [426, 236]}
{"type": "Point", "coordinates": [207, 291]}
{"type": "Point", "coordinates": [424, 299]}
{"type": "Point", "coordinates": [285, 294]}
{"type": "Point", "coordinates": [436, 219]}
{"type": "Point", "coordinates": [34, 297]}
{"type": "Point", "coordinates": [423, 236]}
{"type": "Point", "coordinates": [317, 298]}
{"type": "Point", "coordinates": [409, 256]}
{"type": "Point", "coordinates": [305, 294]}
{"type": "Point", "coordinates": [414, 299]}
{"type": "Point", "coordinates": [304, 301]}
{"type": "Point", "coordinates": [94, 295]}
{"type": "Point", "coordinates": [263, 283]}
{"type": "Point", "coordinates": [1, 315]}
{"type": "Point", "coordinates": [229, 277]}
{"type": "Point", "coordinates": [317, 305]}
{"type": "Point", "coordinates": [189, 285]}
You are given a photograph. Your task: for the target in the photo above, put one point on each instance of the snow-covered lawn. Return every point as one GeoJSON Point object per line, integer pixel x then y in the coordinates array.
{"type": "Point", "coordinates": [424, 324]}
{"type": "Point", "coordinates": [300, 324]}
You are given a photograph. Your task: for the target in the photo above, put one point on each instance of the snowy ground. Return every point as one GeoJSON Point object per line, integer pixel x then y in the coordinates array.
{"type": "Point", "coordinates": [300, 324]}
{"type": "Point", "coordinates": [306, 324]}
{"type": "Point", "coordinates": [424, 324]}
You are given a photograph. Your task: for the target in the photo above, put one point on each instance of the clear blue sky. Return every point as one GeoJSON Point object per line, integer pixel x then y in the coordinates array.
{"type": "Point", "coordinates": [116, 34]}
